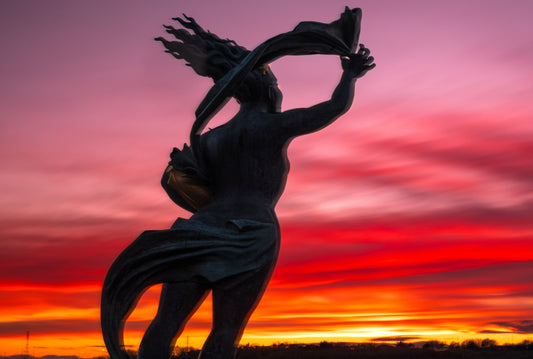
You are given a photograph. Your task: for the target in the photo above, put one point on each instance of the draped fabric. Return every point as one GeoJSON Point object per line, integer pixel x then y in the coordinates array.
{"type": "Point", "coordinates": [337, 38]}
{"type": "Point", "coordinates": [218, 254]}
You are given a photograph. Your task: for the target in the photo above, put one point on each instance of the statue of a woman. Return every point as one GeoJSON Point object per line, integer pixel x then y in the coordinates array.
{"type": "Point", "coordinates": [231, 179]}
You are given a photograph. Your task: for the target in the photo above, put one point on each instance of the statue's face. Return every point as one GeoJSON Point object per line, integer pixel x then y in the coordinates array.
{"type": "Point", "coordinates": [275, 97]}
{"type": "Point", "coordinates": [261, 87]}
{"type": "Point", "coordinates": [274, 94]}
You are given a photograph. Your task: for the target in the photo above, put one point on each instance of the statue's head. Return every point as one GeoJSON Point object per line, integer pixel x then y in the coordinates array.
{"type": "Point", "coordinates": [260, 87]}
{"type": "Point", "coordinates": [213, 57]}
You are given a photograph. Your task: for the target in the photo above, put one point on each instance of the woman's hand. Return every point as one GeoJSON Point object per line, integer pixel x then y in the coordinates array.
{"type": "Point", "coordinates": [359, 63]}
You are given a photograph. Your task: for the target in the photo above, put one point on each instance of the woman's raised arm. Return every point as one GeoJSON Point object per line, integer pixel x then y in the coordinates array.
{"type": "Point", "coordinates": [302, 121]}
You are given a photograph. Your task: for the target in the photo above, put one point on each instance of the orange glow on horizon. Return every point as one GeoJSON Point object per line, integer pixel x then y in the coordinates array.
{"type": "Point", "coordinates": [385, 288]}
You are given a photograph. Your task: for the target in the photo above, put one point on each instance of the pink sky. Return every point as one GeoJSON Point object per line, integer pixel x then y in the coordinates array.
{"type": "Point", "coordinates": [428, 179]}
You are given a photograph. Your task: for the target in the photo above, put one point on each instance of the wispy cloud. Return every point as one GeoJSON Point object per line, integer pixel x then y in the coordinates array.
{"type": "Point", "coordinates": [522, 326]}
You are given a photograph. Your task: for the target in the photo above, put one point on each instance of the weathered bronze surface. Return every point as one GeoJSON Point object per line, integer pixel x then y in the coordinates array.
{"type": "Point", "coordinates": [230, 179]}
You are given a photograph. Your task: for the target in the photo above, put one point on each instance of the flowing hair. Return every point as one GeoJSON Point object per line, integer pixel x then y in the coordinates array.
{"type": "Point", "coordinates": [211, 56]}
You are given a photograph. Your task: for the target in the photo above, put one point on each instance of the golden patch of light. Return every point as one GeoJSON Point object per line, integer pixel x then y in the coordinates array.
{"type": "Point", "coordinates": [89, 345]}
{"type": "Point", "coordinates": [365, 335]}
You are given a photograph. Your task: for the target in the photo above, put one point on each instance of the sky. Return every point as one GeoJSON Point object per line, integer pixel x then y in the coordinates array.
{"type": "Point", "coordinates": [410, 218]}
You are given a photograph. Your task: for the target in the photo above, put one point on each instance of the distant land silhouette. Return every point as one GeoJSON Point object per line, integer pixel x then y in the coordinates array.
{"type": "Point", "coordinates": [471, 349]}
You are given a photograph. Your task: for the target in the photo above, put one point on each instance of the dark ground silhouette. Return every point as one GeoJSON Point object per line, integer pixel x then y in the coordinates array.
{"type": "Point", "coordinates": [467, 349]}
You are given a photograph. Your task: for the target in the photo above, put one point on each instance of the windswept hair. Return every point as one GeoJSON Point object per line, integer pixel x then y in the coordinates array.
{"type": "Point", "coordinates": [213, 57]}
{"type": "Point", "coordinates": [204, 51]}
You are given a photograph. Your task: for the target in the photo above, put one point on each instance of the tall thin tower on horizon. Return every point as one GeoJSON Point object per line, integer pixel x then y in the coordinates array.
{"type": "Point", "coordinates": [27, 349]}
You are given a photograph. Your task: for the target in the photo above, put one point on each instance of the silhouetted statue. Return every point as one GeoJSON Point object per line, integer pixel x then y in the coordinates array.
{"type": "Point", "coordinates": [231, 178]}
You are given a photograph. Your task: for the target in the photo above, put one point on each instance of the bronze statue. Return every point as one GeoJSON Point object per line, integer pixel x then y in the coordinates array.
{"type": "Point", "coordinates": [231, 178]}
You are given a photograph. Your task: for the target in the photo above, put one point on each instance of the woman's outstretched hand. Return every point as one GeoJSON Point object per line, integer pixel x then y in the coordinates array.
{"type": "Point", "coordinates": [358, 63]}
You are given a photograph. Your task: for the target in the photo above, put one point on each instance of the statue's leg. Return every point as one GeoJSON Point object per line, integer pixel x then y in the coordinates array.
{"type": "Point", "coordinates": [231, 309]}
{"type": "Point", "coordinates": [177, 304]}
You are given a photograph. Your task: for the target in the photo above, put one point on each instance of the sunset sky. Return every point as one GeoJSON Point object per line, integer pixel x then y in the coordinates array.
{"type": "Point", "coordinates": [410, 218]}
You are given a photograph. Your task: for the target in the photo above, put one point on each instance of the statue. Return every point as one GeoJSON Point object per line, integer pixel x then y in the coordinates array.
{"type": "Point", "coordinates": [230, 178]}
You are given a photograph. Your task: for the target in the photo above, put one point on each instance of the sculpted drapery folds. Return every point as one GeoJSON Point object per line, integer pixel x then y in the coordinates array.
{"type": "Point", "coordinates": [230, 178]}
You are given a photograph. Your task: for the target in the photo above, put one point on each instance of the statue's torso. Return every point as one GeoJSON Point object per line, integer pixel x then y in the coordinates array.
{"type": "Point", "coordinates": [247, 166]}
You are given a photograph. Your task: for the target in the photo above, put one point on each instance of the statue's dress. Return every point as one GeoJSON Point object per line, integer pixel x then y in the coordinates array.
{"type": "Point", "coordinates": [220, 253]}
